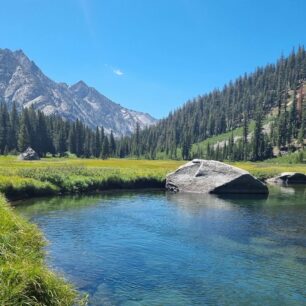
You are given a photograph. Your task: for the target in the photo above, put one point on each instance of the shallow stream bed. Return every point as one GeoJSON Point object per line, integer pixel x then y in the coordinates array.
{"type": "Point", "coordinates": [156, 248]}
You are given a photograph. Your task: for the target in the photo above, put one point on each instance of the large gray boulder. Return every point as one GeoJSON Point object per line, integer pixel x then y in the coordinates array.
{"type": "Point", "coordinates": [209, 176]}
{"type": "Point", "coordinates": [288, 178]}
{"type": "Point", "coordinates": [29, 154]}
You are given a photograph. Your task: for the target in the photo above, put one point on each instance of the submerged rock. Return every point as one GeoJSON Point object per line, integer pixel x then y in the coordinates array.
{"type": "Point", "coordinates": [29, 154]}
{"type": "Point", "coordinates": [209, 176]}
{"type": "Point", "coordinates": [288, 178]}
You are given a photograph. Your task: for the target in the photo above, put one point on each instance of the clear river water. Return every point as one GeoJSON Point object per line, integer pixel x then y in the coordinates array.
{"type": "Point", "coordinates": [157, 248]}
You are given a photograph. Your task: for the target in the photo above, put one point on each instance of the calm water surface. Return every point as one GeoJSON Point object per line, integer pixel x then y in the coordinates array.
{"type": "Point", "coordinates": [154, 248]}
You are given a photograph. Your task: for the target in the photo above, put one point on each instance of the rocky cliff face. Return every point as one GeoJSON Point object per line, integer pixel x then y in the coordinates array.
{"type": "Point", "coordinates": [22, 82]}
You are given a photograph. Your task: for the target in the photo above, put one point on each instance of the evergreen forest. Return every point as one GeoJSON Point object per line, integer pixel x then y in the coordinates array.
{"type": "Point", "coordinates": [268, 105]}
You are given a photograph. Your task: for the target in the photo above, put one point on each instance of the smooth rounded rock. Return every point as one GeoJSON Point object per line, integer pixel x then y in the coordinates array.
{"type": "Point", "coordinates": [288, 178]}
{"type": "Point", "coordinates": [209, 176]}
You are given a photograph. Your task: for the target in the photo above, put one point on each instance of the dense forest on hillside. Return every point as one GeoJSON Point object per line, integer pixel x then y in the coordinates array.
{"type": "Point", "coordinates": [51, 134]}
{"type": "Point", "coordinates": [275, 91]}
{"type": "Point", "coordinates": [250, 97]}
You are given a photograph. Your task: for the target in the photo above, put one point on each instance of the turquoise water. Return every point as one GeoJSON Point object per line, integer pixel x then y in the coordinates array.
{"type": "Point", "coordinates": [154, 248]}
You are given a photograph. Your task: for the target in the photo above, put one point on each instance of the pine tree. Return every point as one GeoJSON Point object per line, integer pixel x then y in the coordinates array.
{"type": "Point", "coordinates": [292, 126]}
{"type": "Point", "coordinates": [14, 125]}
{"type": "Point", "coordinates": [87, 143]}
{"type": "Point", "coordinates": [4, 127]}
{"type": "Point", "coordinates": [42, 135]}
{"type": "Point", "coordinates": [105, 148]}
{"type": "Point", "coordinates": [245, 136]}
{"type": "Point", "coordinates": [23, 136]}
{"type": "Point", "coordinates": [97, 144]}
{"type": "Point", "coordinates": [208, 151]}
{"type": "Point", "coordinates": [60, 141]}
{"type": "Point", "coordinates": [218, 153]}
{"type": "Point", "coordinates": [186, 148]}
{"type": "Point", "coordinates": [112, 144]}
{"type": "Point", "coordinates": [102, 135]}
{"type": "Point", "coordinates": [231, 144]}
{"type": "Point", "coordinates": [137, 140]}
{"type": "Point", "coordinates": [79, 138]}
{"type": "Point", "coordinates": [72, 139]}
{"type": "Point", "coordinates": [302, 130]}
{"type": "Point", "coordinates": [258, 138]}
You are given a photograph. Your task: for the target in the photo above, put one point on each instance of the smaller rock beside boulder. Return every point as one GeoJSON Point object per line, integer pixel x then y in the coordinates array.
{"type": "Point", "coordinates": [29, 154]}
{"type": "Point", "coordinates": [288, 178]}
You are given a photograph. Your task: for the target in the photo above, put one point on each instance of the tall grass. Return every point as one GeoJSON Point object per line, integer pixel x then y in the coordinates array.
{"type": "Point", "coordinates": [264, 170]}
{"type": "Point", "coordinates": [15, 186]}
{"type": "Point", "coordinates": [298, 157]}
{"type": "Point", "coordinates": [21, 179]}
{"type": "Point", "coordinates": [24, 279]}
{"type": "Point", "coordinates": [53, 176]}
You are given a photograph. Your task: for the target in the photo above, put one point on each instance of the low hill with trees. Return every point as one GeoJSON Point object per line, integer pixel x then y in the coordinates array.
{"type": "Point", "coordinates": [274, 93]}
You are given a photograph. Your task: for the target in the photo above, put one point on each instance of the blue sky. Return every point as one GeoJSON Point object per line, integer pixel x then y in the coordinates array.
{"type": "Point", "coordinates": [152, 55]}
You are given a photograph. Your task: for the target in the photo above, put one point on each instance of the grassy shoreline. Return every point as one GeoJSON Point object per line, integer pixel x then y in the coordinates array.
{"type": "Point", "coordinates": [24, 278]}
{"type": "Point", "coordinates": [54, 176]}
{"type": "Point", "coordinates": [265, 170]}
{"type": "Point", "coordinates": [24, 179]}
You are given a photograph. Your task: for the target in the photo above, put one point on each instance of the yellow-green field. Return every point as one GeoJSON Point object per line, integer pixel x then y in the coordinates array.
{"type": "Point", "coordinates": [12, 162]}
{"type": "Point", "coordinates": [20, 179]}
{"type": "Point", "coordinates": [263, 170]}
{"type": "Point", "coordinates": [49, 176]}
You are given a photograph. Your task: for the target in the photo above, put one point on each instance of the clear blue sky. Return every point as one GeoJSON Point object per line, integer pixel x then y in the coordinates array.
{"type": "Point", "coordinates": [152, 55]}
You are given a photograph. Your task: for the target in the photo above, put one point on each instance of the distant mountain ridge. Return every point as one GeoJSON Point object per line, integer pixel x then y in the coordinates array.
{"type": "Point", "coordinates": [22, 82]}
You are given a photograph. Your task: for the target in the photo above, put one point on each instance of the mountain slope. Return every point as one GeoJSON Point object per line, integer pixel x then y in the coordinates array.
{"type": "Point", "coordinates": [115, 117]}
{"type": "Point", "coordinates": [251, 97]}
{"type": "Point", "coordinates": [22, 82]}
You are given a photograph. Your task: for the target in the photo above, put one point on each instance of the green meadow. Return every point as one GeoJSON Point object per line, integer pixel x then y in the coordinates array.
{"type": "Point", "coordinates": [50, 176]}
{"type": "Point", "coordinates": [264, 170]}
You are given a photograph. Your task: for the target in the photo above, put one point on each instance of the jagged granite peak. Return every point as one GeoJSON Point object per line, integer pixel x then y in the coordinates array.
{"type": "Point", "coordinates": [22, 82]}
{"type": "Point", "coordinates": [80, 87]}
{"type": "Point", "coordinates": [116, 117]}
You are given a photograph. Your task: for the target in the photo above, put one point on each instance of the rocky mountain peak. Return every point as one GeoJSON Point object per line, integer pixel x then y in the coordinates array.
{"type": "Point", "coordinates": [22, 82]}
{"type": "Point", "coordinates": [80, 88]}
{"type": "Point", "coordinates": [18, 53]}
{"type": "Point", "coordinates": [18, 58]}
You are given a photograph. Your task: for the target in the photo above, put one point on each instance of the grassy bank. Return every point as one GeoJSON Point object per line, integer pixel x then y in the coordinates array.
{"type": "Point", "coordinates": [24, 279]}
{"type": "Point", "coordinates": [20, 179]}
{"type": "Point", "coordinates": [50, 176]}
{"type": "Point", "coordinates": [264, 170]}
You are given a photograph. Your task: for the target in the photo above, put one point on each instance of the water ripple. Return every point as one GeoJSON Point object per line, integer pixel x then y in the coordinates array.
{"type": "Point", "coordinates": [155, 249]}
